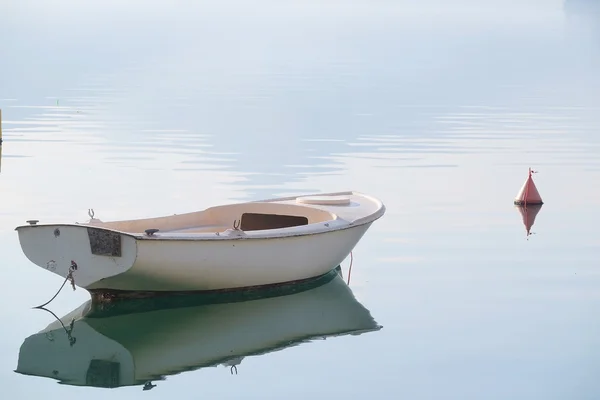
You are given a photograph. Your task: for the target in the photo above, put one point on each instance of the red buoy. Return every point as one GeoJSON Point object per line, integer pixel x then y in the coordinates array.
{"type": "Point", "coordinates": [528, 195]}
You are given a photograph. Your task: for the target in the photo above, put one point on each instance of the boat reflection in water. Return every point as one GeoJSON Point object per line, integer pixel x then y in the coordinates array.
{"type": "Point", "coordinates": [135, 342]}
{"type": "Point", "coordinates": [528, 214]}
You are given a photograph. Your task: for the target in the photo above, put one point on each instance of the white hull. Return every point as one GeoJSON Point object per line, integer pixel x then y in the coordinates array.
{"type": "Point", "coordinates": [197, 251]}
{"type": "Point", "coordinates": [131, 349]}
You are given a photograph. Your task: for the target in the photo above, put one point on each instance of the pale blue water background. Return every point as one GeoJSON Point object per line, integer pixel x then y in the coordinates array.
{"type": "Point", "coordinates": [437, 108]}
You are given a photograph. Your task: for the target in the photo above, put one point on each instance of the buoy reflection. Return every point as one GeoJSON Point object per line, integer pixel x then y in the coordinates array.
{"type": "Point", "coordinates": [528, 214]}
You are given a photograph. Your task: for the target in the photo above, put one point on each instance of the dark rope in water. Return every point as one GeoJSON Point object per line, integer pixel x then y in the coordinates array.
{"type": "Point", "coordinates": [68, 278]}
{"type": "Point", "coordinates": [72, 339]}
{"type": "Point", "coordinates": [350, 267]}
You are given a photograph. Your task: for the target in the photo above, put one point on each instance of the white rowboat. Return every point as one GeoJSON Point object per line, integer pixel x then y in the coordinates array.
{"type": "Point", "coordinates": [224, 247]}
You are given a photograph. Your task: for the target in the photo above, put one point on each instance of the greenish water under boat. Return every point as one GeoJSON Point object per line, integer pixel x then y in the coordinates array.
{"type": "Point", "coordinates": [135, 342]}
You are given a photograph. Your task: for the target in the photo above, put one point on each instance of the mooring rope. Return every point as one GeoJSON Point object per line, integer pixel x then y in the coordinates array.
{"type": "Point", "coordinates": [69, 277]}
{"type": "Point", "coordinates": [350, 267]}
{"type": "Point", "coordinates": [71, 338]}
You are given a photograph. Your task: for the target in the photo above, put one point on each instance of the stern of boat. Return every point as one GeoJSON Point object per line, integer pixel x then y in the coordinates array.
{"type": "Point", "coordinates": [89, 253]}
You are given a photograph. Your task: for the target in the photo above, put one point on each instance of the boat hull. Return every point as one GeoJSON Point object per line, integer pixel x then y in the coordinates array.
{"type": "Point", "coordinates": [171, 265]}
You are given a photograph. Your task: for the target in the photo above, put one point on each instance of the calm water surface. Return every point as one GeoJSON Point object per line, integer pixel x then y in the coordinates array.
{"type": "Point", "coordinates": [140, 110]}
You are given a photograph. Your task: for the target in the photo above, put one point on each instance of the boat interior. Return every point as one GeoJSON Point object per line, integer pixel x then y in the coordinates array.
{"type": "Point", "coordinates": [244, 216]}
